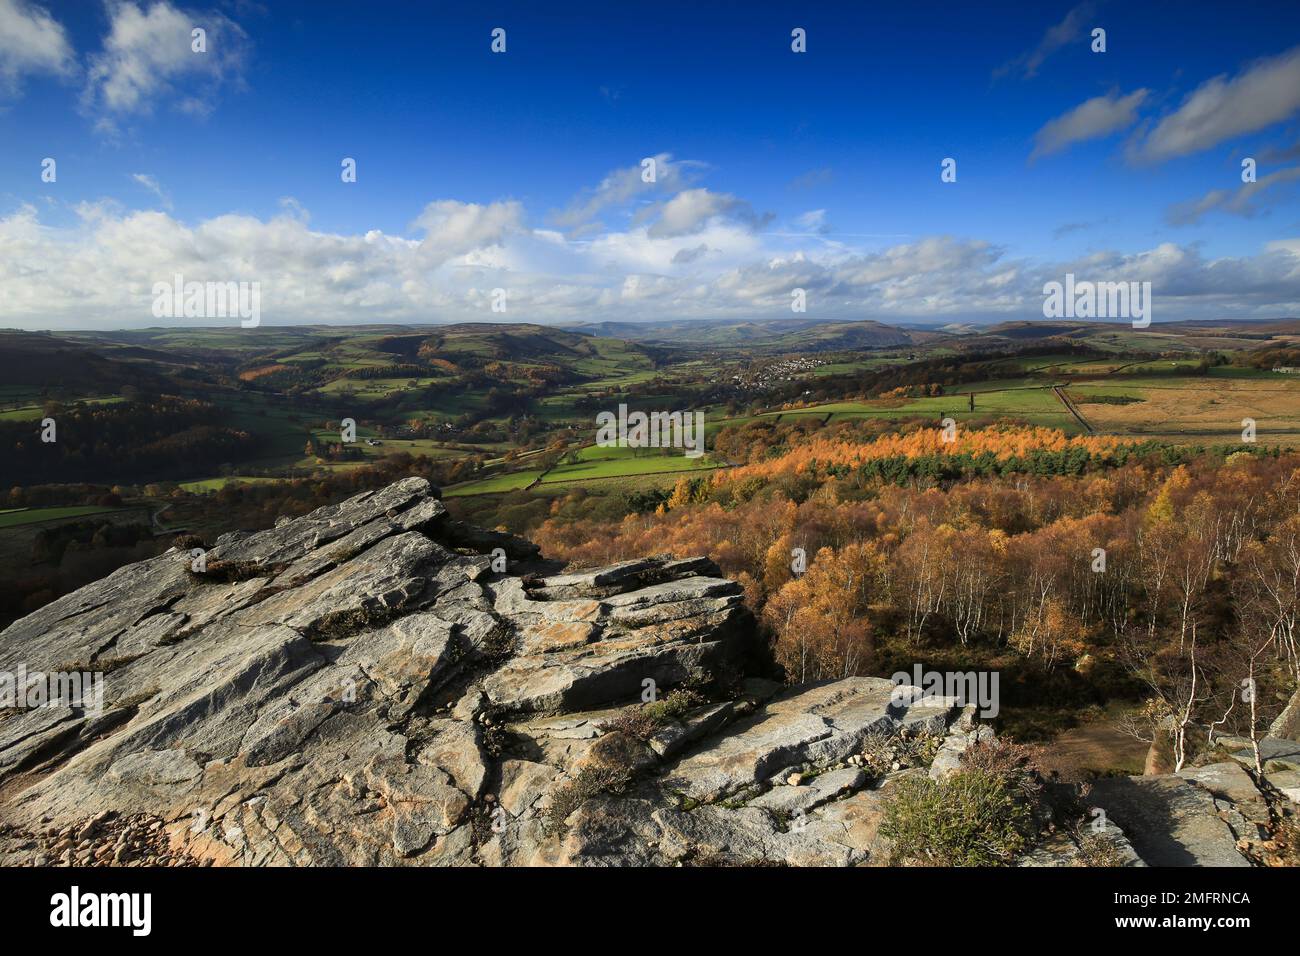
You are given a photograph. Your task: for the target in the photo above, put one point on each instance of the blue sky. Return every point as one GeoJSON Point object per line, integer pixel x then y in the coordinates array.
{"type": "Point", "coordinates": [479, 170]}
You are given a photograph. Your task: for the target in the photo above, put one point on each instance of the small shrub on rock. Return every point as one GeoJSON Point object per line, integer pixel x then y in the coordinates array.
{"type": "Point", "coordinates": [1016, 765]}
{"type": "Point", "coordinates": [970, 819]}
{"type": "Point", "coordinates": [643, 722]}
{"type": "Point", "coordinates": [1097, 851]}
{"type": "Point", "coordinates": [882, 751]}
{"type": "Point", "coordinates": [590, 782]}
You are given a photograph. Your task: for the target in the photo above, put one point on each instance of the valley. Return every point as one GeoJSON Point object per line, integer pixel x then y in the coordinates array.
{"type": "Point", "coordinates": [166, 434]}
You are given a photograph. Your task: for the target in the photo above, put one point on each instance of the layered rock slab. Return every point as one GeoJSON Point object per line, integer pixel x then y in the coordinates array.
{"type": "Point", "coordinates": [289, 701]}
{"type": "Point", "coordinates": [1170, 821]}
{"type": "Point", "coordinates": [820, 724]}
{"type": "Point", "coordinates": [360, 686]}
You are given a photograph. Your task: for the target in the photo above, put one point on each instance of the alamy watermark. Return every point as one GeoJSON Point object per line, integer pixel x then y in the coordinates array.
{"type": "Point", "coordinates": [968, 687]}
{"type": "Point", "coordinates": [179, 299]}
{"type": "Point", "coordinates": [1098, 300]}
{"type": "Point", "coordinates": [651, 430]}
{"type": "Point", "coordinates": [28, 690]}
{"type": "Point", "coordinates": [74, 908]}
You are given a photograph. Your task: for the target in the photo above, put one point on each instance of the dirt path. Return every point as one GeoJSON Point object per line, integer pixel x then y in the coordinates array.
{"type": "Point", "coordinates": [160, 529]}
{"type": "Point", "coordinates": [1095, 747]}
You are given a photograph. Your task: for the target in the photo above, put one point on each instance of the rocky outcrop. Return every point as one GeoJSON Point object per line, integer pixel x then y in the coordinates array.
{"type": "Point", "coordinates": [365, 686]}
{"type": "Point", "coordinates": [377, 684]}
{"type": "Point", "coordinates": [1286, 725]}
{"type": "Point", "coordinates": [1170, 820]}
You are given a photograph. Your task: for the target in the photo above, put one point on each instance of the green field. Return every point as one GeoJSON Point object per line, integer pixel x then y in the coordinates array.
{"type": "Point", "coordinates": [593, 464]}
{"type": "Point", "coordinates": [624, 462]}
{"type": "Point", "coordinates": [282, 431]}
{"type": "Point", "coordinates": [860, 365]}
{"type": "Point", "coordinates": [510, 481]}
{"type": "Point", "coordinates": [216, 484]}
{"type": "Point", "coordinates": [512, 393]}
{"type": "Point", "coordinates": [17, 517]}
{"type": "Point", "coordinates": [1034, 404]}
{"type": "Point", "coordinates": [368, 389]}
{"type": "Point", "coordinates": [35, 412]}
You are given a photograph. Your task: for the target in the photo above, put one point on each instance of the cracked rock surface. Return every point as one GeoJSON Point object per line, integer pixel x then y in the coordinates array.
{"type": "Point", "coordinates": [364, 686]}
{"type": "Point", "coordinates": [360, 687]}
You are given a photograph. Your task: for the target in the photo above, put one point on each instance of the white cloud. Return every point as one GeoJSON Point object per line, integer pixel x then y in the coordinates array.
{"type": "Point", "coordinates": [148, 56]}
{"type": "Point", "coordinates": [454, 228]}
{"type": "Point", "coordinates": [1263, 285]}
{"type": "Point", "coordinates": [814, 220]}
{"type": "Point", "coordinates": [1243, 201]}
{"type": "Point", "coordinates": [686, 212]}
{"type": "Point", "coordinates": [1265, 93]}
{"type": "Point", "coordinates": [99, 272]}
{"type": "Point", "coordinates": [151, 183]}
{"type": "Point", "coordinates": [622, 186]}
{"type": "Point", "coordinates": [666, 204]}
{"type": "Point", "coordinates": [1093, 119]}
{"type": "Point", "coordinates": [31, 41]}
{"type": "Point", "coordinates": [1067, 31]}
{"type": "Point", "coordinates": [637, 250]}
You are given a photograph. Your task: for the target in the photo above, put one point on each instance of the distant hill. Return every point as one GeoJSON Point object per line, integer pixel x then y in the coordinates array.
{"type": "Point", "coordinates": [39, 360]}
{"type": "Point", "coordinates": [1159, 336]}
{"type": "Point", "coordinates": [1043, 329]}
{"type": "Point", "coordinates": [775, 335]}
{"type": "Point", "coordinates": [235, 348]}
